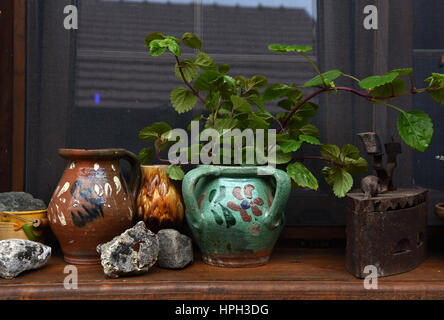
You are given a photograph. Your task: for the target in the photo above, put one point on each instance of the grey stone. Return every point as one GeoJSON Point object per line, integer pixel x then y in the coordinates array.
{"type": "Point", "coordinates": [133, 252]}
{"type": "Point", "coordinates": [176, 250]}
{"type": "Point", "coordinates": [17, 256]}
{"type": "Point", "coordinates": [20, 201]}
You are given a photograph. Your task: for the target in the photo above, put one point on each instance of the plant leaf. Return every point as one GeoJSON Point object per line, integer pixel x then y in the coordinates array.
{"type": "Point", "coordinates": [175, 172]}
{"type": "Point", "coordinates": [257, 101]}
{"type": "Point", "coordinates": [437, 95]}
{"type": "Point", "coordinates": [308, 110]}
{"type": "Point", "coordinates": [358, 166]}
{"type": "Point", "coordinates": [376, 81]}
{"type": "Point", "coordinates": [302, 176]}
{"type": "Point", "coordinates": [156, 48]}
{"type": "Point", "coordinates": [436, 81]}
{"type": "Point", "coordinates": [281, 157]}
{"type": "Point", "coordinates": [212, 100]}
{"type": "Point", "coordinates": [146, 155]}
{"type": "Point", "coordinates": [283, 48]}
{"type": "Point", "coordinates": [241, 81]}
{"type": "Point", "coordinates": [331, 151]}
{"type": "Point", "coordinates": [222, 124]}
{"type": "Point", "coordinates": [189, 69]}
{"type": "Point", "coordinates": [286, 104]}
{"type": "Point", "coordinates": [350, 151]}
{"type": "Point", "coordinates": [240, 105]}
{"type": "Point", "coordinates": [310, 130]}
{"type": "Point", "coordinates": [229, 83]}
{"type": "Point", "coordinates": [416, 129]}
{"type": "Point", "coordinates": [224, 68]}
{"type": "Point", "coordinates": [146, 134]}
{"type": "Point", "coordinates": [153, 36]}
{"type": "Point", "coordinates": [174, 47]}
{"type": "Point", "coordinates": [152, 132]}
{"type": "Point", "coordinates": [309, 139]}
{"type": "Point", "coordinates": [256, 122]}
{"type": "Point", "coordinates": [403, 71]}
{"type": "Point", "coordinates": [257, 82]}
{"type": "Point", "coordinates": [341, 180]}
{"type": "Point", "coordinates": [277, 90]}
{"type": "Point", "coordinates": [206, 79]}
{"type": "Point", "coordinates": [182, 100]}
{"type": "Point", "coordinates": [328, 76]}
{"type": "Point", "coordinates": [205, 62]}
{"type": "Point", "coordinates": [395, 87]}
{"type": "Point", "coordinates": [191, 40]}
{"type": "Point", "coordinates": [288, 144]}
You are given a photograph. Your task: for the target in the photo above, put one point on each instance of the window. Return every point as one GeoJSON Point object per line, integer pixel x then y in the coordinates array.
{"type": "Point", "coordinates": [97, 87]}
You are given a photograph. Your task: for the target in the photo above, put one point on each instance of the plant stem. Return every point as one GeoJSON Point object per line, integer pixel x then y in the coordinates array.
{"type": "Point", "coordinates": [285, 122]}
{"type": "Point", "coordinates": [389, 105]}
{"type": "Point", "coordinates": [194, 91]}
{"type": "Point", "coordinates": [369, 97]}
{"type": "Point", "coordinates": [314, 66]}
{"type": "Point", "coordinates": [351, 77]}
{"type": "Point", "coordinates": [412, 84]}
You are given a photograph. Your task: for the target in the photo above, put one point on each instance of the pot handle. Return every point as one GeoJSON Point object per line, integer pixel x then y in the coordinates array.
{"type": "Point", "coordinates": [272, 219]}
{"type": "Point", "coordinates": [136, 174]}
{"type": "Point", "coordinates": [276, 213]}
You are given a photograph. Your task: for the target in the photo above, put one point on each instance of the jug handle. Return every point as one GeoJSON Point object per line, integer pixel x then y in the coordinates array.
{"type": "Point", "coordinates": [275, 214]}
{"type": "Point", "coordinates": [136, 174]}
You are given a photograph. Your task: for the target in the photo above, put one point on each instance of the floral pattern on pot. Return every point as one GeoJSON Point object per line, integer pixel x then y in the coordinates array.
{"type": "Point", "coordinates": [246, 204]}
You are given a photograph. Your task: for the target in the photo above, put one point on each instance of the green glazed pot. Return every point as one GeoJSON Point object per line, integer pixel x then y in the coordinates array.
{"type": "Point", "coordinates": [236, 213]}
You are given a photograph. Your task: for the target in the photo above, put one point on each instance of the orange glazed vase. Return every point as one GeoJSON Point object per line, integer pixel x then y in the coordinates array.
{"type": "Point", "coordinates": [92, 202]}
{"type": "Point", "coordinates": [159, 202]}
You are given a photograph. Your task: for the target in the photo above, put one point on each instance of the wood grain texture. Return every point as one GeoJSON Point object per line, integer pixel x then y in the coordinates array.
{"type": "Point", "coordinates": [291, 274]}
{"type": "Point", "coordinates": [6, 52]}
{"type": "Point", "coordinates": [19, 96]}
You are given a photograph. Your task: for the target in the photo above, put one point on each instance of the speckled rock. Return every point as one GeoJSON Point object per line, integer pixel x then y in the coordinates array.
{"type": "Point", "coordinates": [18, 255]}
{"type": "Point", "coordinates": [20, 201]}
{"type": "Point", "coordinates": [176, 250]}
{"type": "Point", "coordinates": [133, 252]}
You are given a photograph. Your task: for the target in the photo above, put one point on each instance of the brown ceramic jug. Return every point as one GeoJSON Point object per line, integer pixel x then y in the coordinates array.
{"type": "Point", "coordinates": [159, 202]}
{"type": "Point", "coordinates": [92, 203]}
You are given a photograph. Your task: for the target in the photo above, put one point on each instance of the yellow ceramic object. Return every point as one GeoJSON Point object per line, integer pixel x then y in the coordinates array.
{"type": "Point", "coordinates": [159, 202]}
{"type": "Point", "coordinates": [26, 225]}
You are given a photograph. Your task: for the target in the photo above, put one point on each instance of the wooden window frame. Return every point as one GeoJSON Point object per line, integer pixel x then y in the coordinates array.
{"type": "Point", "coordinates": [13, 92]}
{"type": "Point", "coordinates": [19, 96]}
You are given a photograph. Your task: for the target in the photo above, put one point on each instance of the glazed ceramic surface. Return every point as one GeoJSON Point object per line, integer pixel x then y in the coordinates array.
{"type": "Point", "coordinates": [159, 202]}
{"type": "Point", "coordinates": [26, 225]}
{"type": "Point", "coordinates": [439, 210]}
{"type": "Point", "coordinates": [235, 214]}
{"type": "Point", "coordinates": [92, 203]}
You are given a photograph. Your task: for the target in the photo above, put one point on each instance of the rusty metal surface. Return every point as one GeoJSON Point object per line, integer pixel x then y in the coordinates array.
{"type": "Point", "coordinates": [393, 200]}
{"type": "Point", "coordinates": [372, 145]}
{"type": "Point", "coordinates": [388, 232]}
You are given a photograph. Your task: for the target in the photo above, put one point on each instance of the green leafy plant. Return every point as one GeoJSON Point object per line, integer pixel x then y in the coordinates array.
{"type": "Point", "coordinates": [237, 102]}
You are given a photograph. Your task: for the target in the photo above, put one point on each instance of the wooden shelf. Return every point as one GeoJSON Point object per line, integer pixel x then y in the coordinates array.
{"type": "Point", "coordinates": [293, 273]}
